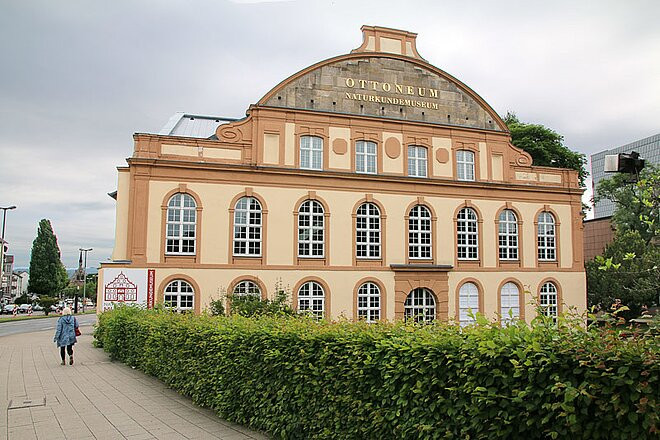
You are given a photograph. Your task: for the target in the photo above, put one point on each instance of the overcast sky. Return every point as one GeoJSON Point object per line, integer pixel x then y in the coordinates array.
{"type": "Point", "coordinates": [78, 78]}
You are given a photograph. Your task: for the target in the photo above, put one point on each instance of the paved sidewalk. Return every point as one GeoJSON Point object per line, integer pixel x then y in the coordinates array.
{"type": "Point", "coordinates": [93, 399]}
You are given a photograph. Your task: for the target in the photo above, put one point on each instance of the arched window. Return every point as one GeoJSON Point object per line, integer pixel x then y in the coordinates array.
{"type": "Point", "coordinates": [468, 234]}
{"type": "Point", "coordinates": [365, 157]}
{"type": "Point", "coordinates": [546, 237]}
{"type": "Point", "coordinates": [419, 233]}
{"type": "Point", "coordinates": [420, 305]}
{"type": "Point", "coordinates": [247, 288]}
{"type": "Point", "coordinates": [247, 227]}
{"type": "Point", "coordinates": [468, 303]}
{"type": "Point", "coordinates": [311, 152]}
{"type": "Point", "coordinates": [509, 303]}
{"type": "Point", "coordinates": [367, 230]}
{"type": "Point", "coordinates": [368, 302]}
{"type": "Point", "coordinates": [311, 298]}
{"type": "Point", "coordinates": [311, 229]}
{"type": "Point", "coordinates": [548, 299]}
{"type": "Point", "coordinates": [508, 235]}
{"type": "Point", "coordinates": [465, 165]}
{"type": "Point", "coordinates": [179, 296]}
{"type": "Point", "coordinates": [417, 161]}
{"type": "Point", "coordinates": [181, 225]}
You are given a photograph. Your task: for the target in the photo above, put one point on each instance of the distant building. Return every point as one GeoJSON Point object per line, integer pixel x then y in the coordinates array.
{"type": "Point", "coordinates": [648, 148]}
{"type": "Point", "coordinates": [19, 283]}
{"type": "Point", "coordinates": [5, 285]}
{"type": "Point", "coordinates": [598, 233]}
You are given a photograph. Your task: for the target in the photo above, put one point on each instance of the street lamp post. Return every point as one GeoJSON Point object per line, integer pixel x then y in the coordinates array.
{"type": "Point", "coordinates": [2, 244]}
{"type": "Point", "coordinates": [84, 276]}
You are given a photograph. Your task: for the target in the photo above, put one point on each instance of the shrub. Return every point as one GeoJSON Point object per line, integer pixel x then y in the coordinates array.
{"type": "Point", "coordinates": [295, 378]}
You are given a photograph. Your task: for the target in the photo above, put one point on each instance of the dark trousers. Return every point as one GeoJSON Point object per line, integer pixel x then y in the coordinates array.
{"type": "Point", "coordinates": [69, 349]}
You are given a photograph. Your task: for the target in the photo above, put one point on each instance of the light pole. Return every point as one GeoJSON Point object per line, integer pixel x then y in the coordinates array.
{"type": "Point", "coordinates": [84, 275]}
{"type": "Point", "coordinates": [2, 245]}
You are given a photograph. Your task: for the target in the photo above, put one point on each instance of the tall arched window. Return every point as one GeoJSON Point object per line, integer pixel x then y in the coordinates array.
{"type": "Point", "coordinates": [365, 157]}
{"type": "Point", "coordinates": [548, 299]}
{"type": "Point", "coordinates": [546, 237]}
{"type": "Point", "coordinates": [181, 225]}
{"type": "Point", "coordinates": [247, 288]}
{"type": "Point", "coordinates": [508, 235]}
{"type": "Point", "coordinates": [417, 161]}
{"type": "Point", "coordinates": [311, 298]}
{"type": "Point", "coordinates": [247, 227]}
{"type": "Point", "coordinates": [509, 303]}
{"type": "Point", "coordinates": [468, 303]}
{"type": "Point", "coordinates": [367, 230]}
{"type": "Point", "coordinates": [179, 296]}
{"type": "Point", "coordinates": [420, 305]}
{"type": "Point", "coordinates": [419, 233]}
{"type": "Point", "coordinates": [311, 152]}
{"type": "Point", "coordinates": [368, 302]}
{"type": "Point", "coordinates": [311, 229]}
{"type": "Point", "coordinates": [467, 228]}
{"type": "Point", "coordinates": [465, 165]}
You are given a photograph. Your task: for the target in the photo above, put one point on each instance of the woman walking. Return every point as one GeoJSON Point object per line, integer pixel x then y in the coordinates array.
{"type": "Point", "coordinates": [65, 335]}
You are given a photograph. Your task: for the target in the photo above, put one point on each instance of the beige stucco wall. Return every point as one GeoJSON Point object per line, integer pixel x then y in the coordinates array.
{"type": "Point", "coordinates": [121, 215]}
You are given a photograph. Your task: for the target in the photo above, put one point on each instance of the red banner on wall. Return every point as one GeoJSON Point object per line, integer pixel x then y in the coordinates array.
{"type": "Point", "coordinates": [151, 280]}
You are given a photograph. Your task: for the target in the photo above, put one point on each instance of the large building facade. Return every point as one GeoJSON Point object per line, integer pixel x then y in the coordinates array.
{"type": "Point", "coordinates": [373, 185]}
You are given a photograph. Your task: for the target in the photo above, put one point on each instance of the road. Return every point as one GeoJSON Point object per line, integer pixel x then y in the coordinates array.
{"type": "Point", "coordinates": [35, 325]}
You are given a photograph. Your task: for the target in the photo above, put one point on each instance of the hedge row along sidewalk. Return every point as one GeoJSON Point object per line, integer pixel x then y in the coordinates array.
{"type": "Point", "coordinates": [295, 378]}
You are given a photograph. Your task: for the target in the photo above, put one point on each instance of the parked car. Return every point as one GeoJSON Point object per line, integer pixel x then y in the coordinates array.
{"type": "Point", "coordinates": [37, 308]}
{"type": "Point", "coordinates": [8, 309]}
{"type": "Point", "coordinates": [23, 308]}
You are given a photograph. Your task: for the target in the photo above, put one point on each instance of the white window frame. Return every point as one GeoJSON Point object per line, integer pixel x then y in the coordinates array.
{"type": "Point", "coordinates": [468, 301]}
{"type": "Point", "coordinates": [180, 292]}
{"type": "Point", "coordinates": [368, 302]}
{"type": "Point", "coordinates": [420, 305]}
{"type": "Point", "coordinates": [311, 153]}
{"type": "Point", "coordinates": [509, 302]}
{"type": "Point", "coordinates": [546, 237]}
{"type": "Point", "coordinates": [465, 165]}
{"type": "Point", "coordinates": [467, 231]}
{"type": "Point", "coordinates": [366, 157]}
{"type": "Point", "coordinates": [420, 233]}
{"type": "Point", "coordinates": [549, 300]}
{"type": "Point", "coordinates": [507, 235]}
{"type": "Point", "coordinates": [311, 299]}
{"type": "Point", "coordinates": [311, 224]}
{"type": "Point", "coordinates": [417, 161]}
{"type": "Point", "coordinates": [181, 214]}
{"type": "Point", "coordinates": [368, 232]}
{"type": "Point", "coordinates": [248, 222]}
{"type": "Point", "coordinates": [247, 288]}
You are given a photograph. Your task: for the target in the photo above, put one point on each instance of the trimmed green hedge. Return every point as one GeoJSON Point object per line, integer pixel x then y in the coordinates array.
{"type": "Point", "coordinates": [295, 378]}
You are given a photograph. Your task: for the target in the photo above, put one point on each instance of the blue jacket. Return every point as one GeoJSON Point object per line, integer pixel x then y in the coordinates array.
{"type": "Point", "coordinates": [66, 333]}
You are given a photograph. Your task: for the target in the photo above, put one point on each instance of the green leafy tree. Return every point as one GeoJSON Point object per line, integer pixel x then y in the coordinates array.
{"type": "Point", "coordinates": [251, 304]}
{"type": "Point", "coordinates": [545, 145]}
{"type": "Point", "coordinates": [46, 302]}
{"type": "Point", "coordinates": [22, 299]}
{"type": "Point", "coordinates": [47, 273]}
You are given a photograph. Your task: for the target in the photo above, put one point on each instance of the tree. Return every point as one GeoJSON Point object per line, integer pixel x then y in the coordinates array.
{"type": "Point", "coordinates": [637, 204]}
{"type": "Point", "coordinates": [22, 299]}
{"type": "Point", "coordinates": [47, 273]}
{"type": "Point", "coordinates": [545, 146]}
{"type": "Point", "coordinates": [46, 302]}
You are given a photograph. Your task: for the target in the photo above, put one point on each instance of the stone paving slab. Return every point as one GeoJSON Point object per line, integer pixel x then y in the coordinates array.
{"type": "Point", "coordinates": [93, 399]}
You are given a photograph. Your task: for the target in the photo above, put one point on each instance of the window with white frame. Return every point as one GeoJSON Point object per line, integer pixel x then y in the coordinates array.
{"type": "Point", "coordinates": [311, 152]}
{"type": "Point", "coordinates": [467, 226]}
{"type": "Point", "coordinates": [509, 303]}
{"type": "Point", "coordinates": [419, 233]}
{"type": "Point", "coordinates": [247, 288]}
{"type": "Point", "coordinates": [548, 299]}
{"type": "Point", "coordinates": [417, 161]}
{"type": "Point", "coordinates": [181, 225]}
{"type": "Point", "coordinates": [179, 296]}
{"type": "Point", "coordinates": [311, 299]}
{"type": "Point", "coordinates": [420, 305]}
{"type": "Point", "coordinates": [368, 302]}
{"type": "Point", "coordinates": [247, 227]}
{"type": "Point", "coordinates": [546, 237]}
{"type": "Point", "coordinates": [365, 157]}
{"type": "Point", "coordinates": [367, 230]}
{"type": "Point", "coordinates": [465, 165]}
{"type": "Point", "coordinates": [311, 230]}
{"type": "Point", "coordinates": [508, 235]}
{"type": "Point", "coordinates": [468, 303]}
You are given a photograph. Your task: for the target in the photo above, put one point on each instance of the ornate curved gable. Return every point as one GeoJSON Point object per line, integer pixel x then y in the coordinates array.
{"type": "Point", "coordinates": [393, 83]}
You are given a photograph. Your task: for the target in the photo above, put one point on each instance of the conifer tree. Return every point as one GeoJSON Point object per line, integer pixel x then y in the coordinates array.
{"type": "Point", "coordinates": [47, 273]}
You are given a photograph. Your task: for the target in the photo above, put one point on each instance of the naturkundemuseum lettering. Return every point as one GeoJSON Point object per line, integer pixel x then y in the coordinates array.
{"type": "Point", "coordinates": [387, 87]}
